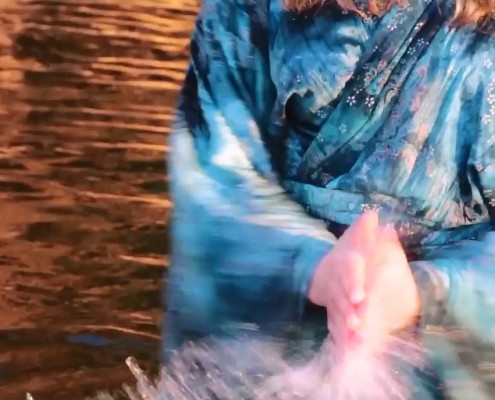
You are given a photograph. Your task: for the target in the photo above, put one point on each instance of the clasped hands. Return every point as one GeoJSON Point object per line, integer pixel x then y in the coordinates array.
{"type": "Point", "coordinates": [366, 284]}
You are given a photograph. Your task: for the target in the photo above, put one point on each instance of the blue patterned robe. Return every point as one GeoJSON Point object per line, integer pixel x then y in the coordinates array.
{"type": "Point", "coordinates": [290, 125]}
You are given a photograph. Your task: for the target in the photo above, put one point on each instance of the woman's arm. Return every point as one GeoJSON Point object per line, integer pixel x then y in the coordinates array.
{"type": "Point", "coordinates": [457, 288]}
{"type": "Point", "coordinates": [457, 283]}
{"type": "Point", "coordinates": [242, 250]}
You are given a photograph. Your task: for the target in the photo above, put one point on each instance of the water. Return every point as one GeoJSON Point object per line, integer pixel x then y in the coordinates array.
{"type": "Point", "coordinates": [254, 369]}
{"type": "Point", "coordinates": [87, 90]}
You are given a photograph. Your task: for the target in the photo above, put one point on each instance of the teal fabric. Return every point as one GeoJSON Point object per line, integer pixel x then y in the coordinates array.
{"type": "Point", "coordinates": [290, 125]}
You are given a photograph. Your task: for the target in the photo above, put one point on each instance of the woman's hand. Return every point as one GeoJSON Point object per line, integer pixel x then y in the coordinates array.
{"type": "Point", "coordinates": [392, 298]}
{"type": "Point", "coordinates": [366, 284]}
{"type": "Point", "coordinates": [339, 281]}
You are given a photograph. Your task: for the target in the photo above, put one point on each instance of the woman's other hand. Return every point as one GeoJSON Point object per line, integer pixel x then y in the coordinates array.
{"type": "Point", "coordinates": [392, 298]}
{"type": "Point", "coordinates": [339, 281]}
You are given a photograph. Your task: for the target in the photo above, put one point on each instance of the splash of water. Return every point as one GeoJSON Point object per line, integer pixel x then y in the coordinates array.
{"type": "Point", "coordinates": [257, 370]}
{"type": "Point", "coordinates": [343, 374]}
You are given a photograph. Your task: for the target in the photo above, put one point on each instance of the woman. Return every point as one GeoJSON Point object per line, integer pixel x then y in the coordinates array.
{"type": "Point", "coordinates": [294, 120]}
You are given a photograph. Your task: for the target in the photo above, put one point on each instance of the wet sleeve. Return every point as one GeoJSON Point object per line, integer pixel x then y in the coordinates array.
{"type": "Point", "coordinates": [242, 250]}
{"type": "Point", "coordinates": [457, 288]}
{"type": "Point", "coordinates": [457, 283]}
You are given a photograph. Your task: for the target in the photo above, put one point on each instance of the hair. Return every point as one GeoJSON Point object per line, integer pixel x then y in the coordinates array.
{"type": "Point", "coordinates": [467, 12]}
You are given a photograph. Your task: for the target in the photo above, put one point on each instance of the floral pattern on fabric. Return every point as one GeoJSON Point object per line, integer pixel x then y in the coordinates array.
{"type": "Point", "coordinates": [291, 125]}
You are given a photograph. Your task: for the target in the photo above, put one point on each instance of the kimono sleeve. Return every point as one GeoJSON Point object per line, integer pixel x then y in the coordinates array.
{"type": "Point", "coordinates": [457, 283]}
{"type": "Point", "coordinates": [242, 250]}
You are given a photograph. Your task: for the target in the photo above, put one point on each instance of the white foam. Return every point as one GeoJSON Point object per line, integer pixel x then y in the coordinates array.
{"type": "Point", "coordinates": [256, 370]}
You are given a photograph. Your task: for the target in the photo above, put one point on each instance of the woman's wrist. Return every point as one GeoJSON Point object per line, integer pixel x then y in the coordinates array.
{"type": "Point", "coordinates": [308, 261]}
{"type": "Point", "coordinates": [318, 288]}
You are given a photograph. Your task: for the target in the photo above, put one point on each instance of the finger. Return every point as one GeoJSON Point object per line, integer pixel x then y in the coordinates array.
{"type": "Point", "coordinates": [374, 312]}
{"type": "Point", "coordinates": [387, 253]}
{"type": "Point", "coordinates": [337, 327]}
{"type": "Point", "coordinates": [353, 321]}
{"type": "Point", "coordinates": [370, 320]}
{"type": "Point", "coordinates": [362, 233]}
{"type": "Point", "coordinates": [373, 332]}
{"type": "Point", "coordinates": [347, 287]}
{"type": "Point", "coordinates": [338, 305]}
{"type": "Point", "coordinates": [389, 233]}
{"type": "Point", "coordinates": [341, 330]}
{"type": "Point", "coordinates": [354, 277]}
{"type": "Point", "coordinates": [335, 324]}
{"type": "Point", "coordinates": [345, 311]}
{"type": "Point", "coordinates": [364, 310]}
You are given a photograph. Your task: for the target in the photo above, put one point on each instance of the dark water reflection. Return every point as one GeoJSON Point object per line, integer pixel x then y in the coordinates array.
{"type": "Point", "coordinates": [86, 96]}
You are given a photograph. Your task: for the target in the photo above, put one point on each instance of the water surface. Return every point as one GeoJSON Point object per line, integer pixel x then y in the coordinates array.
{"type": "Point", "coordinates": [87, 91]}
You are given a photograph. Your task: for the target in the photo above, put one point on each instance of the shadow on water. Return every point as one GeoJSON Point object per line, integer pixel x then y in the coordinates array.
{"type": "Point", "coordinates": [86, 98]}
